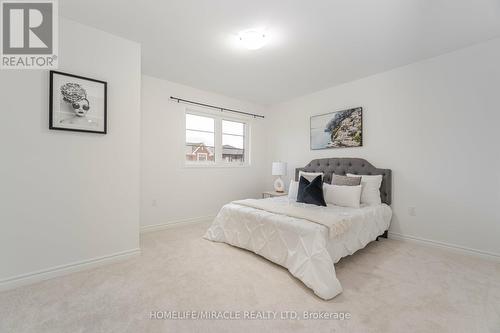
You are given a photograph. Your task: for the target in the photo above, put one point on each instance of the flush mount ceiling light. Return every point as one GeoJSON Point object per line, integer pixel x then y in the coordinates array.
{"type": "Point", "coordinates": [252, 39]}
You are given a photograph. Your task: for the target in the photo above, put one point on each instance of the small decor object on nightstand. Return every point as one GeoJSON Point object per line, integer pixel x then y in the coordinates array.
{"type": "Point", "coordinates": [77, 103]}
{"type": "Point", "coordinates": [279, 169]}
{"type": "Point", "coordinates": [272, 194]}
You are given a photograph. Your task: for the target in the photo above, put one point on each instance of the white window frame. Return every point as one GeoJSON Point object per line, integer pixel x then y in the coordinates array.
{"type": "Point", "coordinates": [218, 160]}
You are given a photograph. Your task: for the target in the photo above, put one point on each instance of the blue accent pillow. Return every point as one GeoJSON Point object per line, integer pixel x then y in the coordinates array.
{"type": "Point", "coordinates": [311, 192]}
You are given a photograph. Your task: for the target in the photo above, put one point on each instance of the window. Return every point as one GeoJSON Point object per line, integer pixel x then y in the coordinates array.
{"type": "Point", "coordinates": [200, 138]}
{"type": "Point", "coordinates": [202, 157]}
{"type": "Point", "coordinates": [213, 140]}
{"type": "Point", "coordinates": [233, 141]}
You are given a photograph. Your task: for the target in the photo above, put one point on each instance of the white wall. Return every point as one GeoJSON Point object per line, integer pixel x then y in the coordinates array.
{"type": "Point", "coordinates": [68, 197]}
{"type": "Point", "coordinates": [435, 124]}
{"type": "Point", "coordinates": [183, 192]}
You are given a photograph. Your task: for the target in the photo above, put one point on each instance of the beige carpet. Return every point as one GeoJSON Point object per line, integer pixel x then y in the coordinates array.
{"type": "Point", "coordinates": [390, 286]}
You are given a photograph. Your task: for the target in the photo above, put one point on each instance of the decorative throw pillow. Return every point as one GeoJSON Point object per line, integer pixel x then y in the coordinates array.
{"type": "Point", "coordinates": [310, 175]}
{"type": "Point", "coordinates": [345, 196]}
{"type": "Point", "coordinates": [311, 192]}
{"type": "Point", "coordinates": [370, 194]}
{"type": "Point", "coordinates": [346, 181]}
{"type": "Point", "coordinates": [293, 189]}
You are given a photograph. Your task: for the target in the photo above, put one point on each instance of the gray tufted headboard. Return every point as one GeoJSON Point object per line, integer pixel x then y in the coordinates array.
{"type": "Point", "coordinates": [357, 166]}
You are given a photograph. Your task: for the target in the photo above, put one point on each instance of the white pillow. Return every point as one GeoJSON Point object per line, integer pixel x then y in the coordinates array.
{"type": "Point", "coordinates": [293, 190]}
{"type": "Point", "coordinates": [310, 175]}
{"type": "Point", "coordinates": [370, 194]}
{"type": "Point", "coordinates": [345, 196]}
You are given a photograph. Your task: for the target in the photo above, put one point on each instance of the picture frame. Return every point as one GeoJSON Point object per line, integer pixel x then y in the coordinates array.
{"type": "Point", "coordinates": [77, 103]}
{"type": "Point", "coordinates": [338, 129]}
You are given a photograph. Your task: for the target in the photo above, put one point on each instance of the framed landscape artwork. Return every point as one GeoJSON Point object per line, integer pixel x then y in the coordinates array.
{"type": "Point", "coordinates": [77, 103]}
{"type": "Point", "coordinates": [341, 129]}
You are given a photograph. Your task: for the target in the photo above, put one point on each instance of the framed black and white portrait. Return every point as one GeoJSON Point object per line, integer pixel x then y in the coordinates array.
{"type": "Point", "coordinates": [77, 103]}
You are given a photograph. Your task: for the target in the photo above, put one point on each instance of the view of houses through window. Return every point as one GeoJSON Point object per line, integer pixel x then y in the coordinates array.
{"type": "Point", "coordinates": [208, 136]}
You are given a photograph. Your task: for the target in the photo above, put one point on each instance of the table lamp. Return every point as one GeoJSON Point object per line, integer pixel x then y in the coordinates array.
{"type": "Point", "coordinates": [279, 169]}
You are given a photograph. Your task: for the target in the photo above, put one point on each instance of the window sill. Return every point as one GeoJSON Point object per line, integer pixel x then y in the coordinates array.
{"type": "Point", "coordinates": [212, 166]}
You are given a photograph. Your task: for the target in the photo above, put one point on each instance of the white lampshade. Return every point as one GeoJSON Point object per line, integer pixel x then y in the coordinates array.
{"type": "Point", "coordinates": [279, 168]}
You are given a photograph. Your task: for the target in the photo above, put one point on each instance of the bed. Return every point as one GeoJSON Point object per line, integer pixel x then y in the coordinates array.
{"type": "Point", "coordinates": [307, 249]}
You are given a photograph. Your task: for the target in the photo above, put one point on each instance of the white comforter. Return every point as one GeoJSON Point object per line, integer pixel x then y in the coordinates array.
{"type": "Point", "coordinates": [336, 223]}
{"type": "Point", "coordinates": [302, 246]}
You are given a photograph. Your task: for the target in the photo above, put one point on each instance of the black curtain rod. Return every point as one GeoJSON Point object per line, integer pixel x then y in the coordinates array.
{"type": "Point", "coordinates": [215, 107]}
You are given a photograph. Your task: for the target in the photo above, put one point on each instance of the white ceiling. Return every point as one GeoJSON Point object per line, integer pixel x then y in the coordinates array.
{"type": "Point", "coordinates": [313, 44]}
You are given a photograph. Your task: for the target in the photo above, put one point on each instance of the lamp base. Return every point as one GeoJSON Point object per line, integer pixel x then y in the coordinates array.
{"type": "Point", "coordinates": [279, 186]}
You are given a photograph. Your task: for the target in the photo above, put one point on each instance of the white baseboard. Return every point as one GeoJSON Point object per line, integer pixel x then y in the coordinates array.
{"type": "Point", "coordinates": [41, 275]}
{"type": "Point", "coordinates": [176, 223]}
{"type": "Point", "coordinates": [456, 248]}
{"type": "Point", "coordinates": [38, 276]}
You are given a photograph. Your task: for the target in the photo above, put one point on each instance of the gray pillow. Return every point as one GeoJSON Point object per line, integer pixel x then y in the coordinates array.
{"type": "Point", "coordinates": [345, 181]}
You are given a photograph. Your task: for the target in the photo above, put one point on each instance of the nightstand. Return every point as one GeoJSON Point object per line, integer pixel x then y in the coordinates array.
{"type": "Point", "coordinates": [271, 194]}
